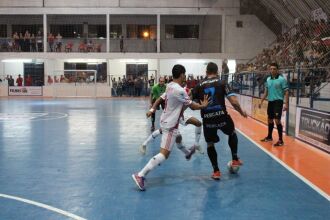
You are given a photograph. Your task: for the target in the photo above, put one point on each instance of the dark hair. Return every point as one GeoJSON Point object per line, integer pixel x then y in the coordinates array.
{"type": "Point", "coordinates": [274, 64]}
{"type": "Point", "coordinates": [177, 70]}
{"type": "Point", "coordinates": [212, 68]}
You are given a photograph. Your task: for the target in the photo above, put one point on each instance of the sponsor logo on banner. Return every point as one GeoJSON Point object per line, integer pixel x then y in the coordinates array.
{"type": "Point", "coordinates": [314, 127]}
{"type": "Point", "coordinates": [25, 91]}
{"type": "Point", "coordinates": [261, 115]}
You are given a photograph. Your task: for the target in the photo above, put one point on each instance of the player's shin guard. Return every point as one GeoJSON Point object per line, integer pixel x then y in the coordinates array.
{"type": "Point", "coordinates": [212, 153]}
{"type": "Point", "coordinates": [153, 162]}
{"type": "Point", "coordinates": [232, 142]}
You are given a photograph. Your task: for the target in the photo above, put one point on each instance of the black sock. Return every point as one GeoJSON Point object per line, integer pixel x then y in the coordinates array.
{"type": "Point", "coordinates": [232, 142]}
{"type": "Point", "coordinates": [270, 130]}
{"type": "Point", "coordinates": [212, 153]}
{"type": "Point", "coordinates": [280, 130]}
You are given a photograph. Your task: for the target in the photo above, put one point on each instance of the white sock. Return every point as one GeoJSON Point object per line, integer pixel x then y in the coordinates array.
{"type": "Point", "coordinates": [183, 148]}
{"type": "Point", "coordinates": [198, 131]}
{"type": "Point", "coordinates": [153, 162]}
{"type": "Point", "coordinates": [152, 136]}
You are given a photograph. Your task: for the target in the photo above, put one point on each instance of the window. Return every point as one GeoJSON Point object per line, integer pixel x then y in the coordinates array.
{"type": "Point", "coordinates": [141, 31]}
{"type": "Point", "coordinates": [67, 31]}
{"type": "Point", "coordinates": [3, 30]}
{"type": "Point", "coordinates": [182, 31]}
{"type": "Point", "coordinates": [115, 30]}
{"type": "Point", "coordinates": [97, 31]}
{"type": "Point", "coordinates": [33, 29]}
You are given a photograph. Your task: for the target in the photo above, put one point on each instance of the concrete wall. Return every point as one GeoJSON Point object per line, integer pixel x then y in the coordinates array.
{"type": "Point", "coordinates": [248, 40]}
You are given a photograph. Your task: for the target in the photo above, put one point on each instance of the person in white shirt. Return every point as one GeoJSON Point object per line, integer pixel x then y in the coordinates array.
{"type": "Point", "coordinates": [176, 99]}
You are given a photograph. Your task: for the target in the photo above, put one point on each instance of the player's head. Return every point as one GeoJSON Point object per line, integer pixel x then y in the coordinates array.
{"type": "Point", "coordinates": [211, 69]}
{"type": "Point", "coordinates": [161, 81]}
{"type": "Point", "coordinates": [179, 72]}
{"type": "Point", "coordinates": [273, 67]}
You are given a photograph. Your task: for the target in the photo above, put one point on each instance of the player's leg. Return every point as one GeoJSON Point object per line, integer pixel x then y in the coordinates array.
{"type": "Point", "coordinates": [153, 136]}
{"type": "Point", "coordinates": [168, 138]}
{"type": "Point", "coordinates": [278, 114]}
{"type": "Point", "coordinates": [229, 129]}
{"type": "Point", "coordinates": [198, 130]}
{"type": "Point", "coordinates": [211, 137]}
{"type": "Point", "coordinates": [182, 147]}
{"type": "Point", "coordinates": [271, 116]}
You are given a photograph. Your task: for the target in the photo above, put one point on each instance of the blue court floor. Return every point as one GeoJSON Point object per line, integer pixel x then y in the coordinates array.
{"type": "Point", "coordinates": [73, 159]}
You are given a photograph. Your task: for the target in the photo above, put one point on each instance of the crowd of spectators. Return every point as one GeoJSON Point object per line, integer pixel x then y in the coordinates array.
{"type": "Point", "coordinates": [28, 81]}
{"type": "Point", "coordinates": [306, 43]}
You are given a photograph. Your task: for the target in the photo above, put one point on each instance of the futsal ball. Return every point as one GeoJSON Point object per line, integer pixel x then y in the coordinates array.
{"type": "Point", "coordinates": [232, 169]}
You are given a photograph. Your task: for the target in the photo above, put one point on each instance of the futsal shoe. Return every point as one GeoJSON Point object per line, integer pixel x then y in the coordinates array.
{"type": "Point", "coordinates": [237, 162]}
{"type": "Point", "coordinates": [139, 181]}
{"type": "Point", "coordinates": [199, 149]}
{"type": "Point", "coordinates": [191, 152]}
{"type": "Point", "coordinates": [279, 144]}
{"type": "Point", "coordinates": [266, 139]}
{"type": "Point", "coordinates": [216, 175]}
{"type": "Point", "coordinates": [143, 149]}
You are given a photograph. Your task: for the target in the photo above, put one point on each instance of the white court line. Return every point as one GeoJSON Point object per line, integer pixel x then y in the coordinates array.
{"type": "Point", "coordinates": [50, 208]}
{"type": "Point", "coordinates": [309, 183]}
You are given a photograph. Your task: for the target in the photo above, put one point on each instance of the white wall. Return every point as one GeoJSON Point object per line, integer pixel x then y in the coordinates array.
{"type": "Point", "coordinates": [195, 67]}
{"type": "Point", "coordinates": [118, 66]}
{"type": "Point", "coordinates": [12, 69]}
{"type": "Point", "coordinates": [249, 40]}
{"type": "Point", "coordinates": [20, 3]}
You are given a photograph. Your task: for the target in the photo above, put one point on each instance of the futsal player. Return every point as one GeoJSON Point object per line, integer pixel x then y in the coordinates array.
{"type": "Point", "coordinates": [175, 100]}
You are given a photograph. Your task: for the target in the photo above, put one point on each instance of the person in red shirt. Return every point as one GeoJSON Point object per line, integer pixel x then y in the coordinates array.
{"type": "Point", "coordinates": [28, 80]}
{"type": "Point", "coordinates": [19, 80]}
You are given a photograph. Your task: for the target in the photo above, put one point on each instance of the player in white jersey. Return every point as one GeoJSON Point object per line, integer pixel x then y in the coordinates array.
{"type": "Point", "coordinates": [184, 120]}
{"type": "Point", "coordinates": [175, 100]}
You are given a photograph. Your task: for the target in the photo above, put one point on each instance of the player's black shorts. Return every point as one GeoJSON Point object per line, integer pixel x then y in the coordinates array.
{"type": "Point", "coordinates": [274, 109]}
{"type": "Point", "coordinates": [210, 127]}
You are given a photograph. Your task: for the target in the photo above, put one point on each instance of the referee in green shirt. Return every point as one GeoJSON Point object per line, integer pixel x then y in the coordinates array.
{"type": "Point", "coordinates": [277, 91]}
{"type": "Point", "coordinates": [156, 91]}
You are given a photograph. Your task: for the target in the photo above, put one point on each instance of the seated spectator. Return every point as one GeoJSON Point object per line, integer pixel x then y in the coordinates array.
{"type": "Point", "coordinates": [82, 47]}
{"type": "Point", "coordinates": [50, 80]}
{"type": "Point", "coordinates": [68, 47]}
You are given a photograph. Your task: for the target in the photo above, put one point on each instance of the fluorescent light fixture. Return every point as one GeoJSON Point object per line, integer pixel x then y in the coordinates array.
{"type": "Point", "coordinates": [133, 61]}
{"type": "Point", "coordinates": [85, 60]}
{"type": "Point", "coordinates": [191, 61]}
{"type": "Point", "coordinates": [17, 61]}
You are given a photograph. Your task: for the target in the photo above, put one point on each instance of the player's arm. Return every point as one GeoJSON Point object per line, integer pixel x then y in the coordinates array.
{"type": "Point", "coordinates": [286, 94]}
{"type": "Point", "coordinates": [232, 98]}
{"type": "Point", "coordinates": [263, 97]}
{"type": "Point", "coordinates": [151, 92]}
{"type": "Point", "coordinates": [234, 102]}
{"type": "Point", "coordinates": [154, 106]}
{"type": "Point", "coordinates": [203, 104]}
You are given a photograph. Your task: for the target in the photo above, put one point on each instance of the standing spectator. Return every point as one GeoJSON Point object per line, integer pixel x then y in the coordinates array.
{"type": "Point", "coordinates": [120, 87]}
{"type": "Point", "coordinates": [39, 41]}
{"type": "Point", "coordinates": [225, 69]}
{"type": "Point", "coordinates": [58, 47]}
{"type": "Point", "coordinates": [33, 43]}
{"type": "Point", "coordinates": [121, 44]}
{"type": "Point", "coordinates": [51, 41]}
{"type": "Point", "coordinates": [11, 81]}
{"type": "Point", "coordinates": [19, 80]}
{"type": "Point", "coordinates": [28, 80]}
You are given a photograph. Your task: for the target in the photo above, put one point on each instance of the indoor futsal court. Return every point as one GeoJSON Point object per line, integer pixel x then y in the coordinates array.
{"type": "Point", "coordinates": [73, 159]}
{"type": "Point", "coordinates": [97, 119]}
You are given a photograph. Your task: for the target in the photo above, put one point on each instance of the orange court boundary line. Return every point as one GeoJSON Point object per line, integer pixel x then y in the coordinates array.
{"type": "Point", "coordinates": [308, 163]}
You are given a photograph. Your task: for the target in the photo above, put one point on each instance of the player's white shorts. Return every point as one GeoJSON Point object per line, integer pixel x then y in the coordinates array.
{"type": "Point", "coordinates": [168, 138]}
{"type": "Point", "coordinates": [183, 120]}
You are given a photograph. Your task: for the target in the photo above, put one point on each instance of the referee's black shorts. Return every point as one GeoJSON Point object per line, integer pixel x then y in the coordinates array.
{"type": "Point", "coordinates": [274, 109]}
{"type": "Point", "coordinates": [210, 127]}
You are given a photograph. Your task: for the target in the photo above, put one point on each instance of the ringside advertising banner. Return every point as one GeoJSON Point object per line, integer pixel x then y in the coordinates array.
{"type": "Point", "coordinates": [313, 127]}
{"type": "Point", "coordinates": [25, 91]}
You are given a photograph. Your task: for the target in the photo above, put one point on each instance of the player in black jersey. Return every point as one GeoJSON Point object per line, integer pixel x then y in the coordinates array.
{"type": "Point", "coordinates": [215, 116]}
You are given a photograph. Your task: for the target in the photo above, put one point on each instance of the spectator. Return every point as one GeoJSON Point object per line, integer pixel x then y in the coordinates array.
{"type": "Point", "coordinates": [39, 41]}
{"type": "Point", "coordinates": [19, 80]}
{"type": "Point", "coordinates": [28, 80]}
{"type": "Point", "coordinates": [10, 81]}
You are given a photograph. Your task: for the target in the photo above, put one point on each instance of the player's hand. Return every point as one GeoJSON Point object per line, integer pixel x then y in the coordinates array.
{"type": "Point", "coordinates": [244, 114]}
{"type": "Point", "coordinates": [148, 114]}
{"type": "Point", "coordinates": [285, 107]}
{"type": "Point", "coordinates": [205, 101]}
